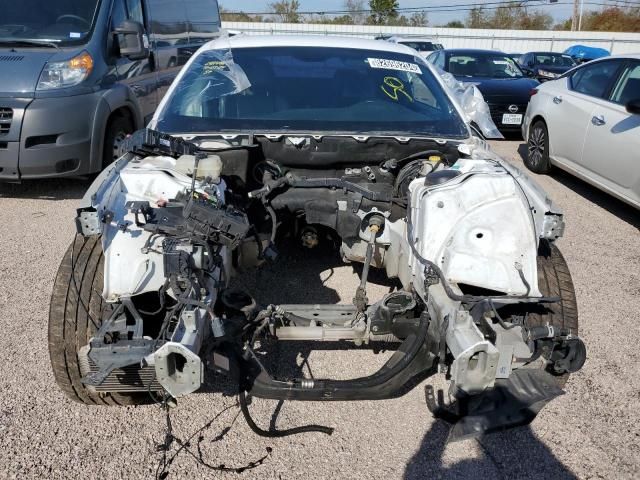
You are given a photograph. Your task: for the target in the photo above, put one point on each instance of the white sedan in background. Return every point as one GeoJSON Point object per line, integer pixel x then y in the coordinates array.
{"type": "Point", "coordinates": [588, 123]}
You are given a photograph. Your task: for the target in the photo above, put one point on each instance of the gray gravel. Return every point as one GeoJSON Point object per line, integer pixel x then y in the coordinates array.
{"type": "Point", "coordinates": [591, 432]}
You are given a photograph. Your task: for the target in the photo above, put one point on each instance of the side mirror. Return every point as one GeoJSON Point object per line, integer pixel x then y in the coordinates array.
{"type": "Point", "coordinates": [633, 106]}
{"type": "Point", "coordinates": [132, 40]}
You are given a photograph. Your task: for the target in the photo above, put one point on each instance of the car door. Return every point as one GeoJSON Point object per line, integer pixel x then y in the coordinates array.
{"type": "Point", "coordinates": [569, 112]}
{"type": "Point", "coordinates": [138, 75]}
{"type": "Point", "coordinates": [611, 154]}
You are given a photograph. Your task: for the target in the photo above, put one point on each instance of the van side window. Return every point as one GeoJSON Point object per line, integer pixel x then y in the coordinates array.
{"type": "Point", "coordinates": [168, 18]}
{"type": "Point", "coordinates": [126, 10]}
{"type": "Point", "coordinates": [134, 9]}
{"type": "Point", "coordinates": [204, 20]}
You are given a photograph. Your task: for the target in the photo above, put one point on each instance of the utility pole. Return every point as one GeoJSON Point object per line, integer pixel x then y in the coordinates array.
{"type": "Point", "coordinates": [574, 18]}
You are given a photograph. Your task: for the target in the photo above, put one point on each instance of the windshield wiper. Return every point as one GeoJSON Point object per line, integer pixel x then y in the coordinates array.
{"type": "Point", "coordinates": [28, 43]}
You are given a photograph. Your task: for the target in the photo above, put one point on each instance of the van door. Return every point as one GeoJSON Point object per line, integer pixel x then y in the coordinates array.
{"type": "Point", "coordinates": [138, 75]}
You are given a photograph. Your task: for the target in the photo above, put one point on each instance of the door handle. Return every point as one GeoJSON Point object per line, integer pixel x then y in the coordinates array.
{"type": "Point", "coordinates": [598, 120]}
{"type": "Point", "coordinates": [557, 100]}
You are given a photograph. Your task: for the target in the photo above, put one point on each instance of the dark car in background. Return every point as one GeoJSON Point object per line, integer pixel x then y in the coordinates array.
{"type": "Point", "coordinates": [77, 76]}
{"type": "Point", "coordinates": [545, 66]}
{"type": "Point", "coordinates": [502, 82]}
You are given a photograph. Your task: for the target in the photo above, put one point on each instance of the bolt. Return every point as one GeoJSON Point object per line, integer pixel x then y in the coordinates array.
{"type": "Point", "coordinates": [440, 204]}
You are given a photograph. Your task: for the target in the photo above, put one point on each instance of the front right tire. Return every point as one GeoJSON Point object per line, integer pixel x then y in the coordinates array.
{"type": "Point", "coordinates": [537, 159]}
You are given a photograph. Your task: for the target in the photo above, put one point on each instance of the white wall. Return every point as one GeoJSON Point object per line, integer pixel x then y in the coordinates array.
{"type": "Point", "coordinates": [511, 41]}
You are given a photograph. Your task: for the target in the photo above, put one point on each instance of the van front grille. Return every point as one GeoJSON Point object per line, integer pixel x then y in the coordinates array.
{"type": "Point", "coordinates": [6, 116]}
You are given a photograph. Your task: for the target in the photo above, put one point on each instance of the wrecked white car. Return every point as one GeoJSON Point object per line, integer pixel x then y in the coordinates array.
{"type": "Point", "coordinates": [314, 138]}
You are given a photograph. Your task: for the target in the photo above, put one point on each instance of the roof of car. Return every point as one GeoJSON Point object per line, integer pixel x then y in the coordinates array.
{"type": "Point", "coordinates": [397, 38]}
{"type": "Point", "coordinates": [472, 50]}
{"type": "Point", "coordinates": [254, 41]}
{"type": "Point", "coordinates": [541, 52]}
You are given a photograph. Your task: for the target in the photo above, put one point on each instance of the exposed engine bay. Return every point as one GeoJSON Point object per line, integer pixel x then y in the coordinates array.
{"type": "Point", "coordinates": [460, 229]}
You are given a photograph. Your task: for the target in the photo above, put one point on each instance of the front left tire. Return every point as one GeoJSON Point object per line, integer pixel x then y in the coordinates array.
{"type": "Point", "coordinates": [75, 315]}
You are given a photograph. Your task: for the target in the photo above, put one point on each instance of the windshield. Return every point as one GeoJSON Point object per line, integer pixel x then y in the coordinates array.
{"type": "Point", "coordinates": [59, 21]}
{"type": "Point", "coordinates": [310, 89]}
{"type": "Point", "coordinates": [554, 60]}
{"type": "Point", "coordinates": [423, 46]}
{"type": "Point", "coordinates": [487, 65]}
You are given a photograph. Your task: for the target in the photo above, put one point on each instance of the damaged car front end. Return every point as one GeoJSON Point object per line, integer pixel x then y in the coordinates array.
{"type": "Point", "coordinates": [301, 137]}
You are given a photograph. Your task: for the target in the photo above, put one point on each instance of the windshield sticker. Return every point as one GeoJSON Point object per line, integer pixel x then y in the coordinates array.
{"type": "Point", "coordinates": [394, 86]}
{"type": "Point", "coordinates": [75, 35]}
{"type": "Point", "coordinates": [214, 66]}
{"type": "Point", "coordinates": [394, 65]}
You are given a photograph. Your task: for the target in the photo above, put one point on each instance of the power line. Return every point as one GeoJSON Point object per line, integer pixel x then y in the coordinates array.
{"type": "Point", "coordinates": [454, 7]}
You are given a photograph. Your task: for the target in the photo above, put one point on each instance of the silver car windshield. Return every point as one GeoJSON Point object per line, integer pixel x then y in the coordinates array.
{"type": "Point", "coordinates": [311, 89]}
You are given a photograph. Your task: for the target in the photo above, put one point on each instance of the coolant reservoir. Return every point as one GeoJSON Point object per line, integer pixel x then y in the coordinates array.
{"type": "Point", "coordinates": [209, 166]}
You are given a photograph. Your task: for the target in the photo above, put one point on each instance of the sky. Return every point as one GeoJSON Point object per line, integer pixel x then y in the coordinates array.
{"type": "Point", "coordinates": [559, 12]}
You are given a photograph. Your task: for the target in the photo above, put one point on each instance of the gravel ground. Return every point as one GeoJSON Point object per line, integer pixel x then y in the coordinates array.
{"type": "Point", "coordinates": [591, 432]}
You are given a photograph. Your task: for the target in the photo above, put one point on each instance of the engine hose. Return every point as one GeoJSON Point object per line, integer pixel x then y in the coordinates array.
{"type": "Point", "coordinates": [244, 406]}
{"type": "Point", "coordinates": [339, 183]}
{"type": "Point", "coordinates": [274, 222]}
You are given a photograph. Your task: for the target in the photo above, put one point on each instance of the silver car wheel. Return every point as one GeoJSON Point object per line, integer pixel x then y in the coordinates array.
{"type": "Point", "coordinates": [537, 145]}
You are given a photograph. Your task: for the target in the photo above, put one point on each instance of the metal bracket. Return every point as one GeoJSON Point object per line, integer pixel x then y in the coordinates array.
{"type": "Point", "coordinates": [88, 223]}
{"type": "Point", "coordinates": [552, 226]}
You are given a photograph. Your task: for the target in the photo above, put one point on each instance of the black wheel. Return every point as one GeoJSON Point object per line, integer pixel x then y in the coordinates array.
{"type": "Point", "coordinates": [554, 280]}
{"type": "Point", "coordinates": [78, 284]}
{"type": "Point", "coordinates": [538, 148]}
{"type": "Point", "coordinates": [115, 136]}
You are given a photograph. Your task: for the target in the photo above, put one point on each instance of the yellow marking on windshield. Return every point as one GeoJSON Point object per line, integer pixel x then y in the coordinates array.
{"type": "Point", "coordinates": [392, 87]}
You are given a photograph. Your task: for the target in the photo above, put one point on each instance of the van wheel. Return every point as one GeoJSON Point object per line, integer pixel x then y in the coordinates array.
{"type": "Point", "coordinates": [114, 139]}
{"type": "Point", "coordinates": [75, 315]}
{"type": "Point", "coordinates": [537, 159]}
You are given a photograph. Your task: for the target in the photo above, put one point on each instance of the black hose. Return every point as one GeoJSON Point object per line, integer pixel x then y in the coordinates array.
{"type": "Point", "coordinates": [274, 222]}
{"type": "Point", "coordinates": [502, 323]}
{"type": "Point", "coordinates": [276, 433]}
{"type": "Point", "coordinates": [420, 155]}
{"type": "Point", "coordinates": [339, 183]}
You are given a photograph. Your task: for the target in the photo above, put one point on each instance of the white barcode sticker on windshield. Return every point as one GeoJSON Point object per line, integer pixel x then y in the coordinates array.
{"type": "Point", "coordinates": [394, 65]}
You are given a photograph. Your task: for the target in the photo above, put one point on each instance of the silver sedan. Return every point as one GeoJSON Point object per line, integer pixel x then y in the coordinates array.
{"type": "Point", "coordinates": [587, 122]}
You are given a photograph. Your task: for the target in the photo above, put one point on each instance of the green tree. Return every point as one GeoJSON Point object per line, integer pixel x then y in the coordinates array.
{"type": "Point", "coordinates": [286, 11]}
{"type": "Point", "coordinates": [383, 12]}
{"type": "Point", "coordinates": [454, 24]}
